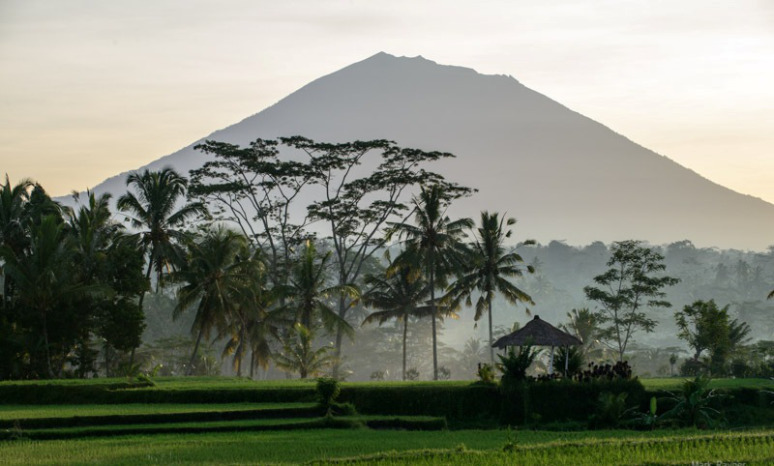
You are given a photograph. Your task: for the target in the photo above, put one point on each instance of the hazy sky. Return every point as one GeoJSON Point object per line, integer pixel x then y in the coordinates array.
{"type": "Point", "coordinates": [92, 88]}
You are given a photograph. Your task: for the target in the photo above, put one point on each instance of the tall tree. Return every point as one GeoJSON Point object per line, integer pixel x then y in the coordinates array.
{"type": "Point", "coordinates": [360, 187]}
{"type": "Point", "coordinates": [43, 278]}
{"type": "Point", "coordinates": [584, 324]}
{"type": "Point", "coordinates": [298, 355]}
{"type": "Point", "coordinates": [310, 295]}
{"type": "Point", "coordinates": [254, 189]}
{"type": "Point", "coordinates": [705, 327]}
{"type": "Point", "coordinates": [104, 257]}
{"type": "Point", "coordinates": [218, 268]}
{"type": "Point", "coordinates": [434, 245]}
{"type": "Point", "coordinates": [155, 209]}
{"type": "Point", "coordinates": [489, 269]}
{"type": "Point", "coordinates": [255, 319]}
{"type": "Point", "coordinates": [631, 285]}
{"type": "Point", "coordinates": [399, 295]}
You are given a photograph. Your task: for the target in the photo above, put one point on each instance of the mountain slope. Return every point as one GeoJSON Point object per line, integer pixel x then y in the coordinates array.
{"type": "Point", "coordinates": [563, 176]}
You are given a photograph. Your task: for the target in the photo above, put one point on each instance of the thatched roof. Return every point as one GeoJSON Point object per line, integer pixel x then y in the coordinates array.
{"type": "Point", "coordinates": [538, 333]}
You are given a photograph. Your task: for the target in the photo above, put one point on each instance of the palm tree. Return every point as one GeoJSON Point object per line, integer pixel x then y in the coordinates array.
{"type": "Point", "coordinates": [13, 224]}
{"type": "Point", "coordinates": [433, 245]}
{"type": "Point", "coordinates": [489, 269]}
{"type": "Point", "coordinates": [299, 356]}
{"type": "Point", "coordinates": [218, 268]}
{"type": "Point", "coordinates": [584, 324]}
{"type": "Point", "coordinates": [309, 295]}
{"type": "Point", "coordinates": [255, 320]}
{"type": "Point", "coordinates": [153, 208]}
{"type": "Point", "coordinates": [42, 275]}
{"type": "Point", "coordinates": [398, 296]}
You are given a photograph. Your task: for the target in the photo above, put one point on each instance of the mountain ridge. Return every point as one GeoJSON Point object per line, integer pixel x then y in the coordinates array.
{"type": "Point", "coordinates": [570, 176]}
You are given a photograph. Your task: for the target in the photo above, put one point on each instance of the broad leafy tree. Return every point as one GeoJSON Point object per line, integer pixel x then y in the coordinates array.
{"type": "Point", "coordinates": [255, 189]}
{"type": "Point", "coordinates": [435, 245]}
{"type": "Point", "coordinates": [490, 269]}
{"type": "Point", "coordinates": [633, 284]}
{"type": "Point", "coordinates": [359, 187]}
{"type": "Point", "coordinates": [708, 328]}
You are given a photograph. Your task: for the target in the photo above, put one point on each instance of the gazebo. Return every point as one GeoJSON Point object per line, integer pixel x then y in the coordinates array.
{"type": "Point", "coordinates": [538, 332]}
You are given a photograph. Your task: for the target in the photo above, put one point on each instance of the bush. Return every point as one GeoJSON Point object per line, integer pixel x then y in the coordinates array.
{"type": "Point", "coordinates": [514, 366]}
{"type": "Point", "coordinates": [572, 356]}
{"type": "Point", "coordinates": [692, 368]}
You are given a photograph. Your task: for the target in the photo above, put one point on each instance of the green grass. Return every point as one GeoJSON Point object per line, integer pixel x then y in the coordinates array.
{"type": "Point", "coordinates": [676, 383]}
{"type": "Point", "coordinates": [11, 412]}
{"type": "Point", "coordinates": [236, 383]}
{"type": "Point", "coordinates": [401, 447]}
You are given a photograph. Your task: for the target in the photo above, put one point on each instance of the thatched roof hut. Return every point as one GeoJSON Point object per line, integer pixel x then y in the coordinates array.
{"type": "Point", "coordinates": [538, 332]}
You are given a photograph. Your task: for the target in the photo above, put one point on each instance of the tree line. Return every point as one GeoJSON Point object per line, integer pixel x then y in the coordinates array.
{"type": "Point", "coordinates": [274, 255]}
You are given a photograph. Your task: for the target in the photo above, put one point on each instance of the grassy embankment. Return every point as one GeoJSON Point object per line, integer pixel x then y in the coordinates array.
{"type": "Point", "coordinates": [133, 444]}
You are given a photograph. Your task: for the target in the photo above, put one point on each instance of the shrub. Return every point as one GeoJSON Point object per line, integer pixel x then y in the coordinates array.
{"type": "Point", "coordinates": [572, 356]}
{"type": "Point", "coordinates": [610, 410]}
{"type": "Point", "coordinates": [486, 374]}
{"type": "Point", "coordinates": [692, 368]}
{"type": "Point", "coordinates": [620, 370]}
{"type": "Point", "coordinates": [514, 366]}
{"type": "Point", "coordinates": [692, 406]}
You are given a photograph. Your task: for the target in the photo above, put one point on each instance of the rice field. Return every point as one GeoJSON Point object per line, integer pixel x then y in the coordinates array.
{"type": "Point", "coordinates": [9, 412]}
{"type": "Point", "coordinates": [402, 447]}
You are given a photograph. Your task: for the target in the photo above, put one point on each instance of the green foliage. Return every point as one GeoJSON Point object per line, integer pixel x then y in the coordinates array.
{"type": "Point", "coordinates": [572, 356]}
{"type": "Point", "coordinates": [610, 410]}
{"type": "Point", "coordinates": [328, 389]}
{"type": "Point", "coordinates": [488, 270]}
{"type": "Point", "coordinates": [486, 374]}
{"type": "Point", "coordinates": [299, 356]}
{"type": "Point", "coordinates": [705, 327]}
{"type": "Point", "coordinates": [630, 286]}
{"type": "Point", "coordinates": [397, 296]}
{"type": "Point", "coordinates": [511, 441]}
{"type": "Point", "coordinates": [644, 420]}
{"type": "Point", "coordinates": [434, 245]}
{"type": "Point", "coordinates": [693, 406]}
{"type": "Point", "coordinates": [514, 366]}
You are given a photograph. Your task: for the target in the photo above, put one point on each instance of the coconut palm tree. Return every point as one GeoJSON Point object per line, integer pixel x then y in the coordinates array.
{"type": "Point", "coordinates": [309, 296]}
{"type": "Point", "coordinates": [254, 321]}
{"type": "Point", "coordinates": [218, 268]}
{"type": "Point", "coordinates": [434, 245]}
{"type": "Point", "coordinates": [13, 224]}
{"type": "Point", "coordinates": [398, 296]}
{"type": "Point", "coordinates": [299, 356]}
{"type": "Point", "coordinates": [488, 270]}
{"type": "Point", "coordinates": [155, 209]}
{"type": "Point", "coordinates": [42, 275]}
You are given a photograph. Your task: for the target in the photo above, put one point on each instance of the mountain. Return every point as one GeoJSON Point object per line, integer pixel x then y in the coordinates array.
{"type": "Point", "coordinates": [562, 175]}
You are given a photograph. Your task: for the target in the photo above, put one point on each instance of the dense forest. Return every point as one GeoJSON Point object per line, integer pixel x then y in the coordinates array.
{"type": "Point", "coordinates": [221, 272]}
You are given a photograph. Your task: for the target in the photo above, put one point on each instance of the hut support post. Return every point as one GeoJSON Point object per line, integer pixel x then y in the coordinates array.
{"type": "Point", "coordinates": [566, 359]}
{"type": "Point", "coordinates": [551, 365]}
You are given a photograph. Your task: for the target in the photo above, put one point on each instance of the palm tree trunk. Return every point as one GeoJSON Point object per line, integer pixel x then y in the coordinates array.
{"type": "Point", "coordinates": [48, 350]}
{"type": "Point", "coordinates": [339, 338]}
{"type": "Point", "coordinates": [491, 337]}
{"type": "Point", "coordinates": [193, 355]}
{"type": "Point", "coordinates": [405, 334]}
{"type": "Point", "coordinates": [432, 308]}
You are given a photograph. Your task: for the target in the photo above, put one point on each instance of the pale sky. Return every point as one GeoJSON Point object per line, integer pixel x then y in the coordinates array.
{"type": "Point", "coordinates": [92, 88]}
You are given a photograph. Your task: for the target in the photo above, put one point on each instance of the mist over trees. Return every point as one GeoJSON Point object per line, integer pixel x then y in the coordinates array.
{"type": "Point", "coordinates": [297, 257]}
